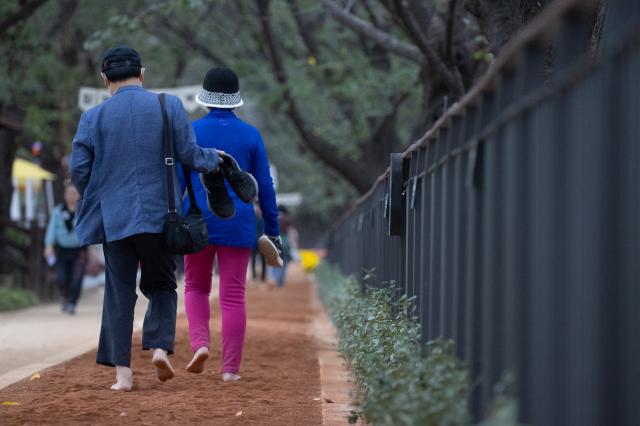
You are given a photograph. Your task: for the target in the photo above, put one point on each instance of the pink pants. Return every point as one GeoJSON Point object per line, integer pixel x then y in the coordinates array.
{"type": "Point", "coordinates": [198, 268]}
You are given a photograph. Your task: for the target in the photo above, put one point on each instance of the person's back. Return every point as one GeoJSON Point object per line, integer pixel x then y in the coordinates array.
{"type": "Point", "coordinates": [118, 166]}
{"type": "Point", "coordinates": [127, 137]}
{"type": "Point", "coordinates": [231, 236]}
{"type": "Point", "coordinates": [223, 130]}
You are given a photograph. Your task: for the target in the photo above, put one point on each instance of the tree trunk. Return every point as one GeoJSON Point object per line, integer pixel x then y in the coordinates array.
{"type": "Point", "coordinates": [10, 124]}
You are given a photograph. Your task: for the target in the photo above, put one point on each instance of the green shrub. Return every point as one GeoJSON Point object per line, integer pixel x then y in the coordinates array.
{"type": "Point", "coordinates": [504, 406]}
{"type": "Point", "coordinates": [13, 298]}
{"type": "Point", "coordinates": [401, 382]}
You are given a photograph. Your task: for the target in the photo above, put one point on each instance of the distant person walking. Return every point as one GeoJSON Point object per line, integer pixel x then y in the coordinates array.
{"type": "Point", "coordinates": [119, 167]}
{"type": "Point", "coordinates": [63, 249]}
{"type": "Point", "coordinates": [232, 231]}
{"type": "Point", "coordinates": [278, 275]}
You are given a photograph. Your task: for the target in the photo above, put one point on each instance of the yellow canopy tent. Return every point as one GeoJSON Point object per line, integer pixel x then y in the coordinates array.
{"type": "Point", "coordinates": [28, 201]}
{"type": "Point", "coordinates": [23, 170]}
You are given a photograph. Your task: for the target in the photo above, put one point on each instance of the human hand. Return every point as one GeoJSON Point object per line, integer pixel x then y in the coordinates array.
{"type": "Point", "coordinates": [277, 241]}
{"type": "Point", "coordinates": [48, 252]}
{"type": "Point", "coordinates": [50, 255]}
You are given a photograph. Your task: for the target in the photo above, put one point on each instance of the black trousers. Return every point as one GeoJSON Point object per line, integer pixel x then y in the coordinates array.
{"type": "Point", "coordinates": [157, 283]}
{"type": "Point", "coordinates": [70, 264]}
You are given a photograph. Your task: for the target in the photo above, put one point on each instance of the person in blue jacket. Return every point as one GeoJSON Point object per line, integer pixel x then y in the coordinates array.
{"type": "Point", "coordinates": [230, 239]}
{"type": "Point", "coordinates": [63, 249]}
{"type": "Point", "coordinates": [119, 167]}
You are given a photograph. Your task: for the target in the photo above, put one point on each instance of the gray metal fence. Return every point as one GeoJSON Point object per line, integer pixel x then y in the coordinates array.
{"type": "Point", "coordinates": [515, 223]}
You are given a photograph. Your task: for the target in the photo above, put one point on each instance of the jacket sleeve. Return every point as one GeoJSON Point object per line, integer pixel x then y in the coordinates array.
{"type": "Point", "coordinates": [267, 195]}
{"type": "Point", "coordinates": [203, 160]}
{"type": "Point", "coordinates": [82, 155]}
{"type": "Point", "coordinates": [50, 236]}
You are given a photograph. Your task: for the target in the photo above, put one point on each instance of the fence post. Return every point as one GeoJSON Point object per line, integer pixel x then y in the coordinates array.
{"type": "Point", "coordinates": [396, 215]}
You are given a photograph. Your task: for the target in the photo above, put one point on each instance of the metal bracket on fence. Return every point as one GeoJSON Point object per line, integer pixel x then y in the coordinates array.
{"type": "Point", "coordinates": [396, 202]}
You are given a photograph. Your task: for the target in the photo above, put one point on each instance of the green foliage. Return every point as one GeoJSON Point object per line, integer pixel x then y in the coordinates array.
{"type": "Point", "coordinates": [344, 87]}
{"type": "Point", "coordinates": [504, 407]}
{"type": "Point", "coordinates": [12, 298]}
{"type": "Point", "coordinates": [401, 382]}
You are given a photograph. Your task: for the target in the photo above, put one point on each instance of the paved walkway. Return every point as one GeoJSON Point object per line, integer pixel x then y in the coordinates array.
{"type": "Point", "coordinates": [41, 336]}
{"type": "Point", "coordinates": [291, 374]}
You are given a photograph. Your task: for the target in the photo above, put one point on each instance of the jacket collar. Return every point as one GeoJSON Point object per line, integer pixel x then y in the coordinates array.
{"type": "Point", "coordinates": [128, 89]}
{"type": "Point", "coordinates": [220, 112]}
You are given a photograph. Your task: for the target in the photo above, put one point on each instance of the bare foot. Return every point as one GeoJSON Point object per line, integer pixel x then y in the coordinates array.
{"type": "Point", "coordinates": [164, 370]}
{"type": "Point", "coordinates": [196, 365]}
{"type": "Point", "coordinates": [230, 377]}
{"type": "Point", "coordinates": [124, 379]}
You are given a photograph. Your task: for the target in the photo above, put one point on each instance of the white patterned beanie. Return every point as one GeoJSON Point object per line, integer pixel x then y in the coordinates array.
{"type": "Point", "coordinates": [220, 89]}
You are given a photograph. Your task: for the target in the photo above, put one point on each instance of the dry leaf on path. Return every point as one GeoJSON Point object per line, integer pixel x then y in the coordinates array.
{"type": "Point", "coordinates": [10, 403]}
{"type": "Point", "coordinates": [328, 400]}
{"type": "Point", "coordinates": [35, 376]}
{"type": "Point", "coordinates": [239, 413]}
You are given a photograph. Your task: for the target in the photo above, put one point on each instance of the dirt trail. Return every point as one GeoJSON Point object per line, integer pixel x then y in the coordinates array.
{"type": "Point", "coordinates": [280, 384]}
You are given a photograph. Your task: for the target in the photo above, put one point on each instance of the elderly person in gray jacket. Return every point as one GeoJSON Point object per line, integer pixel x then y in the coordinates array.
{"type": "Point", "coordinates": [117, 164]}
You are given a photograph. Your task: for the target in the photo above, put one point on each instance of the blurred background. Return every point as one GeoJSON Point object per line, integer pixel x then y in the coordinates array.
{"type": "Point", "coordinates": [334, 86]}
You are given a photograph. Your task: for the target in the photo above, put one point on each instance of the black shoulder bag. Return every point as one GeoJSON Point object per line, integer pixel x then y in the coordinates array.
{"type": "Point", "coordinates": [182, 234]}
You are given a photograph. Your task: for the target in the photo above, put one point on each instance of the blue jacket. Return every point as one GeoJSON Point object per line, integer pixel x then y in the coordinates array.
{"type": "Point", "coordinates": [57, 232]}
{"type": "Point", "coordinates": [117, 164]}
{"type": "Point", "coordinates": [222, 130]}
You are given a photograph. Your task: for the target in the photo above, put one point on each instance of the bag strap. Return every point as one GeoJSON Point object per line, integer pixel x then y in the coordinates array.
{"type": "Point", "coordinates": [169, 162]}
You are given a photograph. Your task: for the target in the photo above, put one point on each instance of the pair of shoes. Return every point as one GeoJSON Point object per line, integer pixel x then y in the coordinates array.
{"type": "Point", "coordinates": [271, 248]}
{"type": "Point", "coordinates": [242, 183]}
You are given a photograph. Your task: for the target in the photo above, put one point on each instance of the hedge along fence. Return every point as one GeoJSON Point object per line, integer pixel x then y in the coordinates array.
{"type": "Point", "coordinates": [402, 382]}
{"type": "Point", "coordinates": [514, 223]}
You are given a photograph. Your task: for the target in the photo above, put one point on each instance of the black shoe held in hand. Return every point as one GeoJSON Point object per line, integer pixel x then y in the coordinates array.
{"type": "Point", "coordinates": [242, 183]}
{"type": "Point", "coordinates": [218, 199]}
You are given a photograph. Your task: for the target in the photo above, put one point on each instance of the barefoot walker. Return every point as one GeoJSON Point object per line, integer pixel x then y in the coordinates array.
{"type": "Point", "coordinates": [232, 233]}
{"type": "Point", "coordinates": [118, 166]}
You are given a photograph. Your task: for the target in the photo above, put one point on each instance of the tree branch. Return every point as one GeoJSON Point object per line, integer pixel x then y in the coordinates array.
{"type": "Point", "coordinates": [188, 38]}
{"type": "Point", "coordinates": [451, 21]}
{"type": "Point", "coordinates": [304, 29]}
{"type": "Point", "coordinates": [389, 42]}
{"type": "Point", "coordinates": [352, 172]}
{"type": "Point", "coordinates": [27, 9]}
{"type": "Point", "coordinates": [451, 78]}
{"type": "Point", "coordinates": [387, 119]}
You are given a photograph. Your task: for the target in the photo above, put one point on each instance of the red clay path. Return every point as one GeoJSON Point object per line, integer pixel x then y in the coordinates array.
{"type": "Point", "coordinates": [280, 384]}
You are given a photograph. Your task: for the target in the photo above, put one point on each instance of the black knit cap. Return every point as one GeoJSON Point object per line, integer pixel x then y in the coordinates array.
{"type": "Point", "coordinates": [120, 56]}
{"type": "Point", "coordinates": [221, 80]}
